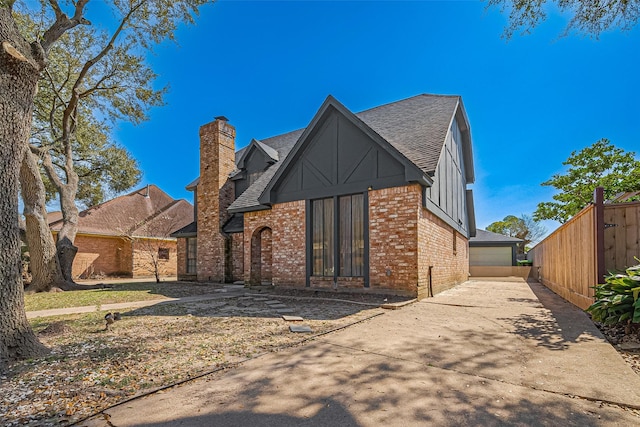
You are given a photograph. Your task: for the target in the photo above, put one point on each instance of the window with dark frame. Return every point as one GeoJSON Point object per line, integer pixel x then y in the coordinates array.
{"type": "Point", "coordinates": [349, 233]}
{"type": "Point", "coordinates": [191, 255]}
{"type": "Point", "coordinates": [455, 243]}
{"type": "Point", "coordinates": [163, 253]}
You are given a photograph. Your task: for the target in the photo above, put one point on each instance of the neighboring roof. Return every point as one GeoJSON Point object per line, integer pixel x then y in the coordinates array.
{"type": "Point", "coordinates": [488, 238]}
{"type": "Point", "coordinates": [624, 197]}
{"type": "Point", "coordinates": [53, 217]}
{"type": "Point", "coordinates": [147, 212]}
{"type": "Point", "coordinates": [416, 127]}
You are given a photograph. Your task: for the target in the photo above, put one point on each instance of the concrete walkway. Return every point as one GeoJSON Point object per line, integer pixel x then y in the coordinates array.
{"type": "Point", "coordinates": [226, 291]}
{"type": "Point", "coordinates": [487, 353]}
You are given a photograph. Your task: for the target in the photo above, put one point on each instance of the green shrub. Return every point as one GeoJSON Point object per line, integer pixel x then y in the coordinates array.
{"type": "Point", "coordinates": [617, 299]}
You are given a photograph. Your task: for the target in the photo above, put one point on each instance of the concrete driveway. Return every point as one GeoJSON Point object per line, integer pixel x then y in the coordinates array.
{"type": "Point", "coordinates": [484, 353]}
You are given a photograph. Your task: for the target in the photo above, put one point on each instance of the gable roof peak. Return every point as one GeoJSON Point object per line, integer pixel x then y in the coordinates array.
{"type": "Point", "coordinates": [123, 214]}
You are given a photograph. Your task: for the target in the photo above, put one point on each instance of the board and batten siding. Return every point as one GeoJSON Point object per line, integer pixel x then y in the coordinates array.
{"type": "Point", "coordinates": [448, 191]}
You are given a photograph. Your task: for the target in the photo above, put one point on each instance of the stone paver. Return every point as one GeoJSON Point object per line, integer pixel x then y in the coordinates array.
{"type": "Point", "coordinates": [292, 318]}
{"type": "Point", "coordinates": [277, 306]}
{"type": "Point", "coordinates": [300, 328]}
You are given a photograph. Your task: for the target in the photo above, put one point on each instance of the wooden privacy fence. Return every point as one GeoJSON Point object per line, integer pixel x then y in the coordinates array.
{"type": "Point", "coordinates": [566, 261]}
{"type": "Point", "coordinates": [621, 235]}
{"type": "Point", "coordinates": [601, 238]}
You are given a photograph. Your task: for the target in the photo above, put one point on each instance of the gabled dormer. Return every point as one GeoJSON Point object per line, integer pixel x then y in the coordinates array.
{"type": "Point", "coordinates": [254, 160]}
{"type": "Point", "coordinates": [338, 153]}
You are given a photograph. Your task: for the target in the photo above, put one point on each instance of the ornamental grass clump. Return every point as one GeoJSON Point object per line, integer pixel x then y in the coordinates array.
{"type": "Point", "coordinates": [617, 299]}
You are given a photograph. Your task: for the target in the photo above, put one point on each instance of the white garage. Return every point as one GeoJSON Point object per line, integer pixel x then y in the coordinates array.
{"type": "Point", "coordinates": [492, 249]}
{"type": "Point", "coordinates": [491, 255]}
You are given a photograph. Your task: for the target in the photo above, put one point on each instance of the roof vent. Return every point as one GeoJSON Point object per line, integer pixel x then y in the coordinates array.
{"type": "Point", "coordinates": [222, 118]}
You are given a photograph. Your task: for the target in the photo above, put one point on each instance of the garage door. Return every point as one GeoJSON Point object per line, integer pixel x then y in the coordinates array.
{"type": "Point", "coordinates": [490, 256]}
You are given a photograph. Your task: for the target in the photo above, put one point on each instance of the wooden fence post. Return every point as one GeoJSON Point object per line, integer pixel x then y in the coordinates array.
{"type": "Point", "coordinates": [598, 199]}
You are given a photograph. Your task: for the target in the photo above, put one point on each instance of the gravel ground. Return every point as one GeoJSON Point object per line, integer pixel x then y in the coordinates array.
{"type": "Point", "coordinates": [627, 342]}
{"type": "Point", "coordinates": [91, 368]}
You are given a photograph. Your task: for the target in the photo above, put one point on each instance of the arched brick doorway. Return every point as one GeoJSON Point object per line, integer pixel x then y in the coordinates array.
{"type": "Point", "coordinates": [261, 253]}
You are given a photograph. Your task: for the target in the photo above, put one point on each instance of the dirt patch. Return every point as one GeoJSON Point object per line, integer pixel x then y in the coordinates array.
{"type": "Point", "coordinates": [54, 329]}
{"type": "Point", "coordinates": [90, 369]}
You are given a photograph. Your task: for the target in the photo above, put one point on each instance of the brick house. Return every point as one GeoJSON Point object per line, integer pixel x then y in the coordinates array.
{"type": "Point", "coordinates": [376, 201]}
{"type": "Point", "coordinates": [128, 235]}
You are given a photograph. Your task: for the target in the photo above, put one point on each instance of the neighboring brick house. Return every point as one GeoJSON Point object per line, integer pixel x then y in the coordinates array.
{"type": "Point", "coordinates": [376, 200]}
{"type": "Point", "coordinates": [128, 236]}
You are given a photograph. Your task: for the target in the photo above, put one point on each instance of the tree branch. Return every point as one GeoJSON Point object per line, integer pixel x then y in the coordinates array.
{"type": "Point", "coordinates": [63, 23]}
{"type": "Point", "coordinates": [50, 170]}
{"type": "Point", "coordinates": [71, 109]}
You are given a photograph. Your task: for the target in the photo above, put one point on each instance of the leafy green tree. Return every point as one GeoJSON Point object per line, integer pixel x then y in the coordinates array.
{"type": "Point", "coordinates": [92, 74]}
{"type": "Point", "coordinates": [599, 165]}
{"type": "Point", "coordinates": [588, 17]}
{"type": "Point", "coordinates": [524, 228]}
{"type": "Point", "coordinates": [24, 57]}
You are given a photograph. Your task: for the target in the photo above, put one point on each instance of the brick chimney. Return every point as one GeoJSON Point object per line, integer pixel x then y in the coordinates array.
{"type": "Point", "coordinates": [214, 195]}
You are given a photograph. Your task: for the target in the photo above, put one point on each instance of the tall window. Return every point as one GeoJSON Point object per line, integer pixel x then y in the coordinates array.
{"type": "Point", "coordinates": [323, 248]}
{"type": "Point", "coordinates": [191, 255]}
{"type": "Point", "coordinates": [348, 233]}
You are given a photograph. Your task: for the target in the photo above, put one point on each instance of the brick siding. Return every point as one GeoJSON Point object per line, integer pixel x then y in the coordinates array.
{"type": "Point", "coordinates": [404, 240]}
{"type": "Point", "coordinates": [102, 255]}
{"type": "Point", "coordinates": [393, 238]}
{"type": "Point", "coordinates": [116, 256]}
{"type": "Point", "coordinates": [145, 249]}
{"type": "Point", "coordinates": [287, 224]}
{"type": "Point", "coordinates": [215, 194]}
{"type": "Point", "coordinates": [436, 248]}
{"type": "Point", "coordinates": [237, 256]}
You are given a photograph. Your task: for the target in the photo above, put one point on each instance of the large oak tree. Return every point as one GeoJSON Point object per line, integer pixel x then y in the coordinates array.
{"type": "Point", "coordinates": [22, 63]}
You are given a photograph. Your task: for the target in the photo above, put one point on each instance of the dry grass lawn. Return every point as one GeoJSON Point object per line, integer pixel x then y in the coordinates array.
{"type": "Point", "coordinates": [90, 369]}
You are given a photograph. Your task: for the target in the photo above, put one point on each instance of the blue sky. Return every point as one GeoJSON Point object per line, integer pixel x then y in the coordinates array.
{"type": "Point", "coordinates": [268, 66]}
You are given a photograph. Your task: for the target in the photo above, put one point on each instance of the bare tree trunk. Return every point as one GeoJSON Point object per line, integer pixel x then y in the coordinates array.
{"type": "Point", "coordinates": [18, 82]}
{"type": "Point", "coordinates": [45, 267]}
{"type": "Point", "coordinates": [66, 249]}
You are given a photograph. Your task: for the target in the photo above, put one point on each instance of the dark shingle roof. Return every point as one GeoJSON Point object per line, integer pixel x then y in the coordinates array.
{"type": "Point", "coordinates": [282, 144]}
{"type": "Point", "coordinates": [235, 224]}
{"type": "Point", "coordinates": [415, 126]}
{"type": "Point", "coordinates": [189, 230]}
{"type": "Point", "coordinates": [484, 236]}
